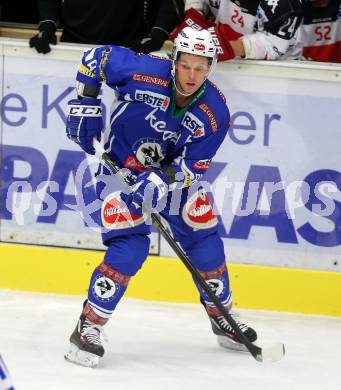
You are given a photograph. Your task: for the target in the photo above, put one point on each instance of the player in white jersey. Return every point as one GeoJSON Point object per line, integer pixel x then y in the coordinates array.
{"type": "Point", "coordinates": [320, 34]}
{"type": "Point", "coordinates": [251, 29]}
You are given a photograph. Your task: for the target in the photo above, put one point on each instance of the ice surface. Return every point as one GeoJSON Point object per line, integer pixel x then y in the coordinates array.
{"type": "Point", "coordinates": [163, 346]}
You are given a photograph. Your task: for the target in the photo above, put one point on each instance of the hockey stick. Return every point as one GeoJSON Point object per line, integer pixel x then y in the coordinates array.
{"type": "Point", "coordinates": [273, 353]}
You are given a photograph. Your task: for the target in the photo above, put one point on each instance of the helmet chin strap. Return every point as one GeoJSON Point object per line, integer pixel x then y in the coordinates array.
{"type": "Point", "coordinates": [181, 92]}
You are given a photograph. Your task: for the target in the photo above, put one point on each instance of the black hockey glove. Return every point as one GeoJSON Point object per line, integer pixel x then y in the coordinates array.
{"type": "Point", "coordinates": [153, 42]}
{"type": "Point", "coordinates": [47, 34]}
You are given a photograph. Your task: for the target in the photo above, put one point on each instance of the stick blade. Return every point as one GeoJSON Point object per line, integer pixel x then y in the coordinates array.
{"type": "Point", "coordinates": [272, 354]}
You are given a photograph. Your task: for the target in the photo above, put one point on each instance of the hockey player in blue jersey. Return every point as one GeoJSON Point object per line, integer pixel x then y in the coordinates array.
{"type": "Point", "coordinates": [165, 127]}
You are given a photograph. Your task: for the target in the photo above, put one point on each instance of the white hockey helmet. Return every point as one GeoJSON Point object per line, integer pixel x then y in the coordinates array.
{"type": "Point", "coordinates": [198, 42]}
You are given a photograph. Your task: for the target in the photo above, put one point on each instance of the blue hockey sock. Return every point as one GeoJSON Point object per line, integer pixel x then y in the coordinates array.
{"type": "Point", "coordinates": [218, 281]}
{"type": "Point", "coordinates": [107, 287]}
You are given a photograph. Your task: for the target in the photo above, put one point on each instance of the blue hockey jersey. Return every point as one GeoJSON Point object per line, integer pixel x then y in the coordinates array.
{"type": "Point", "coordinates": [146, 128]}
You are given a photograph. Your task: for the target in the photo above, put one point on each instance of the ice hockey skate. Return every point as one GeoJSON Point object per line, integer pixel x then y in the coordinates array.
{"type": "Point", "coordinates": [85, 343]}
{"type": "Point", "coordinates": [227, 338]}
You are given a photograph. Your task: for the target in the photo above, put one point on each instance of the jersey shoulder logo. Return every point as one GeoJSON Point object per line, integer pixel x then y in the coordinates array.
{"type": "Point", "coordinates": [149, 79]}
{"type": "Point", "coordinates": [211, 117]}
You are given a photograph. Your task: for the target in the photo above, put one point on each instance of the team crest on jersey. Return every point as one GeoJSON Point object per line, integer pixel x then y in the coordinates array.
{"type": "Point", "coordinates": [149, 153]}
{"type": "Point", "coordinates": [115, 214]}
{"type": "Point", "coordinates": [105, 289]}
{"type": "Point", "coordinates": [198, 211]}
{"type": "Point", "coordinates": [153, 99]}
{"type": "Point", "coordinates": [194, 125]}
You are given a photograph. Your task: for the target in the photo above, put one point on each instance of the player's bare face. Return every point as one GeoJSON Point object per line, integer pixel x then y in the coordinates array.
{"type": "Point", "coordinates": [191, 71]}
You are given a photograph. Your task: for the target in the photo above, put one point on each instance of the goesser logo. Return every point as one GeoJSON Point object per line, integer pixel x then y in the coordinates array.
{"type": "Point", "coordinates": [198, 212]}
{"type": "Point", "coordinates": [115, 214]}
{"type": "Point", "coordinates": [199, 46]}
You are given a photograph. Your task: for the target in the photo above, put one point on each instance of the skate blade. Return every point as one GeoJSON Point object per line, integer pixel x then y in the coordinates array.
{"type": "Point", "coordinates": [227, 343]}
{"type": "Point", "coordinates": [82, 358]}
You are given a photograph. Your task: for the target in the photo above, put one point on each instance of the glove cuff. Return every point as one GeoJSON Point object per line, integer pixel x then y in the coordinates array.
{"type": "Point", "coordinates": [90, 101]}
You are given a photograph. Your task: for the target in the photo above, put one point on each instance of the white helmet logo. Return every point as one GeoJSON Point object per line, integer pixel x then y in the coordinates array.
{"type": "Point", "coordinates": [199, 46]}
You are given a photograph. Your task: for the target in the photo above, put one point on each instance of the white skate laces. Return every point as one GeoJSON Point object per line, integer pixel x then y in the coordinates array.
{"type": "Point", "coordinates": [226, 336]}
{"type": "Point", "coordinates": [225, 325]}
{"type": "Point", "coordinates": [86, 343]}
{"type": "Point", "coordinates": [92, 332]}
